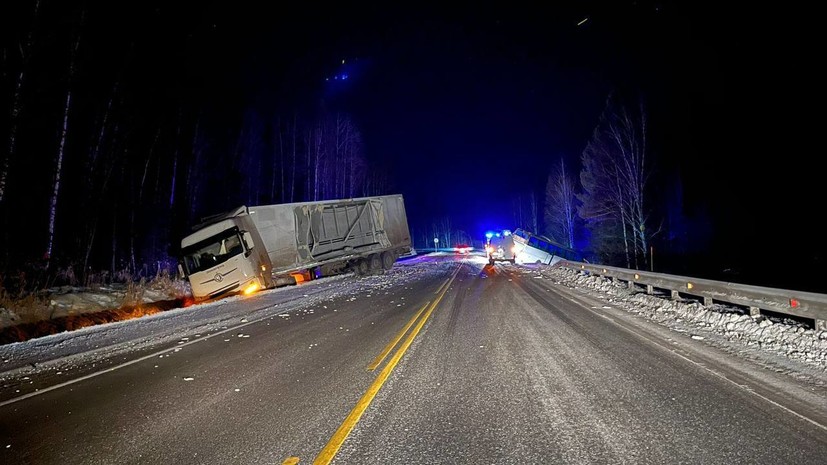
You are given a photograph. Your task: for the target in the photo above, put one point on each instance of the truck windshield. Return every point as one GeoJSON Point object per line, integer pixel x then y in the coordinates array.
{"type": "Point", "coordinates": [210, 252]}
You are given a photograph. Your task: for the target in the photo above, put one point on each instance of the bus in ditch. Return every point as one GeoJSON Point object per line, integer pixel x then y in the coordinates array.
{"type": "Point", "coordinates": [535, 248]}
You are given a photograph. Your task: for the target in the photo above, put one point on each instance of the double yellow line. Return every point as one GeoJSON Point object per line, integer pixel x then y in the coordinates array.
{"type": "Point", "coordinates": [329, 451]}
{"type": "Point", "coordinates": [388, 348]}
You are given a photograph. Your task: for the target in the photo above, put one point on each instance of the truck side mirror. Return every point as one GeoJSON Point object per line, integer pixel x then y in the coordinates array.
{"type": "Point", "coordinates": [248, 240]}
{"type": "Point", "coordinates": [181, 271]}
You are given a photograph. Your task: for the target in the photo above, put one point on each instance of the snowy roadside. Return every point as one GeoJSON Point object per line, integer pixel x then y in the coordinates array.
{"type": "Point", "coordinates": [778, 336]}
{"type": "Point", "coordinates": [25, 365]}
{"type": "Point", "coordinates": [67, 308]}
{"type": "Point", "coordinates": [68, 301]}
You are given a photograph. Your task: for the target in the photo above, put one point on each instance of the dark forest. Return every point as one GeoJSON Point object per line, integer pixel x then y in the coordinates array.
{"type": "Point", "coordinates": [123, 125]}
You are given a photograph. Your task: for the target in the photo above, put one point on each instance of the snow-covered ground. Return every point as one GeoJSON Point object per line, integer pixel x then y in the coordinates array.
{"type": "Point", "coordinates": [70, 300]}
{"type": "Point", "coordinates": [718, 324]}
{"type": "Point", "coordinates": [103, 345]}
{"type": "Point", "coordinates": [70, 353]}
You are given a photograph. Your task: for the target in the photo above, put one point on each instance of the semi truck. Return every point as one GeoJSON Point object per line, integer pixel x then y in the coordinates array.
{"type": "Point", "coordinates": [252, 248]}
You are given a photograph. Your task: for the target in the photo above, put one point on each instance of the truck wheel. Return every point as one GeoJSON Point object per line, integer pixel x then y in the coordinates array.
{"type": "Point", "coordinates": [387, 260]}
{"type": "Point", "coordinates": [375, 263]}
{"type": "Point", "coordinates": [362, 267]}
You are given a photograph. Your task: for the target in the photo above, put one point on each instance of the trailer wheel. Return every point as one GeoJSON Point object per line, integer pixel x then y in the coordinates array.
{"type": "Point", "coordinates": [388, 260]}
{"type": "Point", "coordinates": [362, 267]}
{"type": "Point", "coordinates": [375, 263]}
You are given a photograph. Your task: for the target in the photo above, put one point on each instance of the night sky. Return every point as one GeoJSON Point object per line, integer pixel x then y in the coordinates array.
{"type": "Point", "coordinates": [467, 108]}
{"type": "Point", "coordinates": [465, 111]}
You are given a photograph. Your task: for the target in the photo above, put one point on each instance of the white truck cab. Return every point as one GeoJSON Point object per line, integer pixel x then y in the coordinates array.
{"type": "Point", "coordinates": [220, 259]}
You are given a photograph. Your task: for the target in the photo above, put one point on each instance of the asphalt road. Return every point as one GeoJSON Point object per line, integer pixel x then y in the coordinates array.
{"type": "Point", "coordinates": [494, 367]}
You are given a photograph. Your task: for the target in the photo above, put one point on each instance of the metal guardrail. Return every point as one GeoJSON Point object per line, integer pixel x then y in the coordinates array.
{"type": "Point", "coordinates": [801, 304]}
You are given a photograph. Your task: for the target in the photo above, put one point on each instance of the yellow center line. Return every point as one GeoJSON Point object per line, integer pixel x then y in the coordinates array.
{"type": "Point", "coordinates": [329, 451]}
{"type": "Point", "coordinates": [443, 285]}
{"type": "Point", "coordinates": [388, 348]}
{"type": "Point", "coordinates": [290, 461]}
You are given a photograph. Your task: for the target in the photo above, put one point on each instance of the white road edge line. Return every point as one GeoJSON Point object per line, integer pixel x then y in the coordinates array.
{"type": "Point", "coordinates": [140, 359]}
{"type": "Point", "coordinates": [704, 367]}
{"type": "Point", "coordinates": [132, 362]}
{"type": "Point", "coordinates": [746, 388]}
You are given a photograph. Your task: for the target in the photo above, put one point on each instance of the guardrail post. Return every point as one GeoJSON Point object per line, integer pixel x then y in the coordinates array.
{"type": "Point", "coordinates": [756, 299]}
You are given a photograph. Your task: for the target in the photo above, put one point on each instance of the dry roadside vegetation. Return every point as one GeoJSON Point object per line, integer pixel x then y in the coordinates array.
{"type": "Point", "coordinates": [49, 311]}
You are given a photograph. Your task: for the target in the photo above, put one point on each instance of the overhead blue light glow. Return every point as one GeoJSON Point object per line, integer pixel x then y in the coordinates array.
{"type": "Point", "coordinates": [489, 235]}
{"type": "Point", "coordinates": [506, 233]}
{"type": "Point", "coordinates": [344, 76]}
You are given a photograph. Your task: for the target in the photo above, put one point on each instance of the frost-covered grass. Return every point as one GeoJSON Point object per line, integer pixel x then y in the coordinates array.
{"type": "Point", "coordinates": [779, 335]}
{"type": "Point", "coordinates": [25, 309]}
{"type": "Point", "coordinates": [71, 301]}
{"type": "Point", "coordinates": [70, 308]}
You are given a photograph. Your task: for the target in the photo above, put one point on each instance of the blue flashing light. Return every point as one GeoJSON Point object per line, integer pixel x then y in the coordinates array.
{"type": "Point", "coordinates": [498, 234]}
{"type": "Point", "coordinates": [489, 235]}
{"type": "Point", "coordinates": [506, 233]}
{"type": "Point", "coordinates": [344, 76]}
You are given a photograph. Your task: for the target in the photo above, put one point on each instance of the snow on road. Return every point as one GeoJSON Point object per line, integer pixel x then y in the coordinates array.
{"type": "Point", "coordinates": [730, 325]}
{"type": "Point", "coordinates": [69, 351]}
{"type": "Point", "coordinates": [66, 354]}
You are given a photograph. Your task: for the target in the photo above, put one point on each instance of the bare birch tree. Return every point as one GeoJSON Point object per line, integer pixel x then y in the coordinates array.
{"type": "Point", "coordinates": [277, 161]}
{"type": "Point", "coordinates": [349, 157]}
{"type": "Point", "coordinates": [614, 179]}
{"type": "Point", "coordinates": [602, 204]}
{"type": "Point", "coordinates": [293, 159]}
{"type": "Point", "coordinates": [560, 207]}
{"type": "Point", "coordinates": [442, 231]}
{"type": "Point", "coordinates": [100, 170]}
{"type": "Point", "coordinates": [175, 154]}
{"type": "Point", "coordinates": [517, 211]}
{"type": "Point", "coordinates": [61, 147]}
{"type": "Point", "coordinates": [524, 211]}
{"type": "Point", "coordinates": [193, 180]}
{"type": "Point", "coordinates": [628, 131]}
{"type": "Point", "coordinates": [313, 148]}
